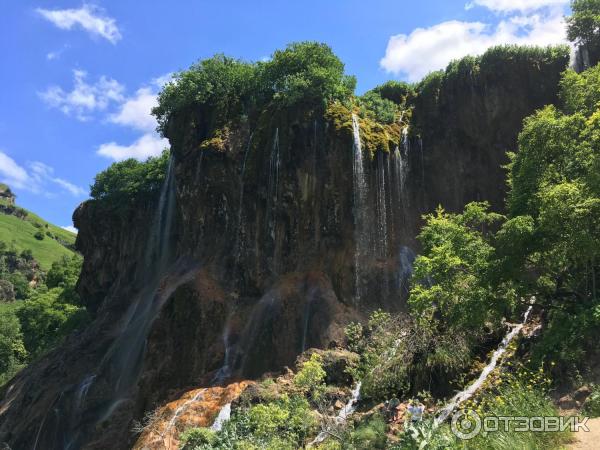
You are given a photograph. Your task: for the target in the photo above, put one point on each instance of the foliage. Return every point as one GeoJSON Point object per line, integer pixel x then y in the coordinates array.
{"type": "Point", "coordinates": [224, 85]}
{"type": "Point", "coordinates": [369, 434]}
{"type": "Point", "coordinates": [382, 110]}
{"type": "Point", "coordinates": [555, 190]}
{"type": "Point", "coordinates": [516, 393]}
{"type": "Point", "coordinates": [398, 92]}
{"type": "Point", "coordinates": [311, 376]}
{"type": "Point", "coordinates": [307, 73]}
{"type": "Point", "coordinates": [45, 320]}
{"type": "Point", "coordinates": [592, 404]}
{"type": "Point", "coordinates": [461, 82]}
{"type": "Point", "coordinates": [304, 75]}
{"type": "Point", "coordinates": [426, 435]}
{"type": "Point", "coordinates": [454, 289]}
{"type": "Point", "coordinates": [196, 437]}
{"type": "Point", "coordinates": [12, 350]}
{"type": "Point", "coordinates": [64, 274]}
{"type": "Point", "coordinates": [583, 26]}
{"type": "Point", "coordinates": [126, 181]}
{"type": "Point", "coordinates": [284, 423]}
{"type": "Point", "coordinates": [42, 309]}
{"type": "Point", "coordinates": [399, 356]}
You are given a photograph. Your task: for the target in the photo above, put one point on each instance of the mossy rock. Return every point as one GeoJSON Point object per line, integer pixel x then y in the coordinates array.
{"type": "Point", "coordinates": [336, 364]}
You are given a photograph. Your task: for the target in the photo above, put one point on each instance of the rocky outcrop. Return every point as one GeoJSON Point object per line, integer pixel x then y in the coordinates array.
{"type": "Point", "coordinates": [255, 259]}
{"type": "Point", "coordinates": [197, 408]}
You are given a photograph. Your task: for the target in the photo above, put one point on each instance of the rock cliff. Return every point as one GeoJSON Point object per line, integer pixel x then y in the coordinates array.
{"type": "Point", "coordinates": [268, 237]}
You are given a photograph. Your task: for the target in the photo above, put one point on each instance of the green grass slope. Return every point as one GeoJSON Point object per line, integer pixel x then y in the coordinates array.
{"type": "Point", "coordinates": [22, 232]}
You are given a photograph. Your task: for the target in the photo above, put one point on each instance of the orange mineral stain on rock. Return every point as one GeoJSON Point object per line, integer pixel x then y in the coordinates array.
{"type": "Point", "coordinates": [196, 408]}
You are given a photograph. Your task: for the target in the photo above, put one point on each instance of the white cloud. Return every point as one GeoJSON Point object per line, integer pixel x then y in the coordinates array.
{"type": "Point", "coordinates": [147, 145]}
{"type": "Point", "coordinates": [515, 5]}
{"type": "Point", "coordinates": [11, 173]}
{"type": "Point", "coordinates": [428, 49]}
{"type": "Point", "coordinates": [90, 18]}
{"type": "Point", "coordinates": [42, 174]}
{"type": "Point", "coordinates": [70, 228]}
{"type": "Point", "coordinates": [36, 179]}
{"type": "Point", "coordinates": [135, 111]}
{"type": "Point", "coordinates": [84, 98]}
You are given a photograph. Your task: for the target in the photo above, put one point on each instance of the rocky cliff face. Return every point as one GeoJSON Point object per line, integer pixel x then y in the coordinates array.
{"type": "Point", "coordinates": [266, 240]}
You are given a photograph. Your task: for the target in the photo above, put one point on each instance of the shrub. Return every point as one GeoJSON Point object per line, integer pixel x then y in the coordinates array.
{"type": "Point", "coordinates": [583, 26]}
{"type": "Point", "coordinates": [375, 107]}
{"type": "Point", "coordinates": [126, 181]}
{"type": "Point", "coordinates": [370, 434]}
{"type": "Point", "coordinates": [310, 378]}
{"type": "Point", "coordinates": [196, 437]}
{"type": "Point", "coordinates": [39, 235]}
{"type": "Point", "coordinates": [591, 406]}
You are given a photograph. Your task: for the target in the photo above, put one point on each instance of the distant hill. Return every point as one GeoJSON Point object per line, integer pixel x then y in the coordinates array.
{"type": "Point", "coordinates": [27, 231]}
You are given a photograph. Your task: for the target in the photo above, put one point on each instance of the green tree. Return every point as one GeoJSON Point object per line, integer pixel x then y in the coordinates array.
{"type": "Point", "coordinates": [454, 286]}
{"type": "Point", "coordinates": [307, 73]}
{"type": "Point", "coordinates": [46, 320]}
{"type": "Point", "coordinates": [125, 181]}
{"type": "Point", "coordinates": [583, 26]}
{"type": "Point", "coordinates": [12, 349]}
{"type": "Point", "coordinates": [64, 274]}
{"type": "Point", "coordinates": [311, 376]}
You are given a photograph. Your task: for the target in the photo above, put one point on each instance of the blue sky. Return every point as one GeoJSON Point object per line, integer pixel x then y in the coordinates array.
{"type": "Point", "coordinates": [78, 79]}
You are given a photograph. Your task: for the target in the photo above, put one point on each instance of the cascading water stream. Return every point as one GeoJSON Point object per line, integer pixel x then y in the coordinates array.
{"type": "Point", "coordinates": [240, 222]}
{"type": "Point", "coordinates": [122, 363]}
{"type": "Point", "coordinates": [360, 204]}
{"type": "Point", "coordinates": [342, 416]}
{"type": "Point", "coordinates": [224, 416]}
{"type": "Point", "coordinates": [463, 396]}
{"type": "Point", "coordinates": [381, 207]}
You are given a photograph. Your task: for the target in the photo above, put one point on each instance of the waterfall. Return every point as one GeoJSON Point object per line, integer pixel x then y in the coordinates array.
{"type": "Point", "coordinates": [122, 363]}
{"type": "Point", "coordinates": [82, 391]}
{"type": "Point", "coordinates": [361, 237]}
{"type": "Point", "coordinates": [462, 396]}
{"type": "Point", "coordinates": [310, 298]}
{"type": "Point", "coordinates": [382, 239]}
{"type": "Point", "coordinates": [240, 222]}
{"type": "Point", "coordinates": [231, 353]}
{"type": "Point", "coordinates": [273, 196]}
{"type": "Point", "coordinates": [182, 409]}
{"type": "Point", "coordinates": [224, 416]}
{"type": "Point", "coordinates": [342, 416]}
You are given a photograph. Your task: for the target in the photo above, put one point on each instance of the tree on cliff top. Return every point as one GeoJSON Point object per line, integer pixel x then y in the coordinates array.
{"type": "Point", "coordinates": [305, 74]}
{"type": "Point", "coordinates": [583, 26]}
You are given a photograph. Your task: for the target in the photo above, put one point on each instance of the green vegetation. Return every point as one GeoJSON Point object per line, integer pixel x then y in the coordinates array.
{"type": "Point", "coordinates": [24, 234]}
{"type": "Point", "coordinates": [279, 425]}
{"type": "Point", "coordinates": [37, 309]}
{"type": "Point", "coordinates": [592, 404]}
{"type": "Point", "coordinates": [128, 181]}
{"type": "Point", "coordinates": [509, 63]}
{"type": "Point", "coordinates": [311, 376]}
{"type": "Point", "coordinates": [305, 75]}
{"type": "Point", "coordinates": [583, 26]}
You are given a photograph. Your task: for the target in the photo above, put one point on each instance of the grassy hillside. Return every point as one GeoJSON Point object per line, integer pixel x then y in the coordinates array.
{"type": "Point", "coordinates": [56, 243]}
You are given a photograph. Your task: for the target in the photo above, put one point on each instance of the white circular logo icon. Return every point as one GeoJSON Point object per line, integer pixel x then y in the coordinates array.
{"type": "Point", "coordinates": [466, 424]}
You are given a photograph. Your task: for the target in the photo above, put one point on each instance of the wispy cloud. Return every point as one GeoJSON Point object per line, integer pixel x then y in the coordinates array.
{"type": "Point", "coordinates": [84, 98]}
{"type": "Point", "coordinates": [37, 178]}
{"type": "Point", "coordinates": [136, 112]}
{"type": "Point", "coordinates": [70, 228]}
{"type": "Point", "coordinates": [515, 5]}
{"type": "Point", "coordinates": [147, 145]}
{"type": "Point", "coordinates": [12, 173]}
{"type": "Point", "coordinates": [427, 49]}
{"type": "Point", "coordinates": [91, 18]}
